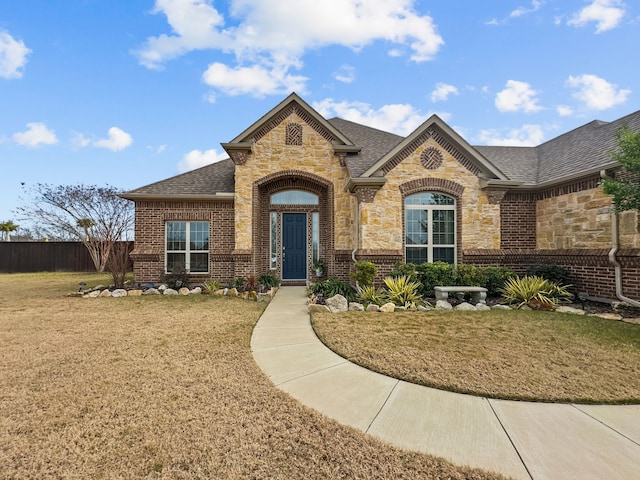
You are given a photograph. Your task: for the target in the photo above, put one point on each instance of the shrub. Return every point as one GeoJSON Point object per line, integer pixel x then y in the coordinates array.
{"type": "Point", "coordinates": [404, 269]}
{"type": "Point", "coordinates": [494, 278]}
{"type": "Point", "coordinates": [211, 286]}
{"type": "Point", "coordinates": [402, 291]}
{"type": "Point", "coordinates": [177, 278]}
{"type": "Point", "coordinates": [468, 275]}
{"type": "Point", "coordinates": [535, 292]}
{"type": "Point", "coordinates": [268, 280]}
{"type": "Point", "coordinates": [250, 284]}
{"type": "Point", "coordinates": [238, 283]}
{"type": "Point", "coordinates": [365, 273]}
{"type": "Point", "coordinates": [370, 294]}
{"type": "Point", "coordinates": [331, 287]}
{"type": "Point", "coordinates": [431, 275]}
{"type": "Point", "coordinates": [553, 273]}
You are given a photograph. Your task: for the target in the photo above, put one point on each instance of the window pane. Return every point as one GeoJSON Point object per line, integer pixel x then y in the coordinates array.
{"type": "Point", "coordinates": [417, 227]}
{"type": "Point", "coordinates": [274, 241]}
{"type": "Point", "coordinates": [315, 235]}
{"type": "Point", "coordinates": [443, 254]}
{"type": "Point", "coordinates": [294, 197]}
{"type": "Point", "coordinates": [199, 262]}
{"type": "Point", "coordinates": [427, 198]}
{"type": "Point", "coordinates": [443, 227]}
{"type": "Point", "coordinates": [175, 261]}
{"type": "Point", "coordinates": [416, 255]}
{"type": "Point", "coordinates": [199, 236]}
{"type": "Point", "coordinates": [176, 235]}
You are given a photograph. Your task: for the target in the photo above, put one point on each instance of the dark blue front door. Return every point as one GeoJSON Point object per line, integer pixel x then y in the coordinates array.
{"type": "Point", "coordinates": [294, 246]}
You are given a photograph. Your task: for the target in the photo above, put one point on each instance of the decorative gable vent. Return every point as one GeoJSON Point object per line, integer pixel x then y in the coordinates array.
{"type": "Point", "coordinates": [294, 134]}
{"type": "Point", "coordinates": [431, 158]}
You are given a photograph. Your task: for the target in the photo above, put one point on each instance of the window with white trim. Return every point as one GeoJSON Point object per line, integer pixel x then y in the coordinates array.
{"type": "Point", "coordinates": [430, 228]}
{"type": "Point", "coordinates": [187, 246]}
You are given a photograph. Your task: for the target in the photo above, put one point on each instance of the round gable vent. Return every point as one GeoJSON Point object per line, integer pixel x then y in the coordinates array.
{"type": "Point", "coordinates": [431, 158]}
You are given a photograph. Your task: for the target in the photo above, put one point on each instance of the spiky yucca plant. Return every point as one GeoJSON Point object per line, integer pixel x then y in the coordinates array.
{"type": "Point", "coordinates": [402, 291]}
{"type": "Point", "coordinates": [535, 292]}
{"type": "Point", "coordinates": [370, 294]}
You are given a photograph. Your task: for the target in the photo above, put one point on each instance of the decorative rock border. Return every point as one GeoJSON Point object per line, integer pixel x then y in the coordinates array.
{"type": "Point", "coordinates": [102, 291]}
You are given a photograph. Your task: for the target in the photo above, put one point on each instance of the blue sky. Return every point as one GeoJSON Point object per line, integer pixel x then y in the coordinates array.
{"type": "Point", "coordinates": [128, 92]}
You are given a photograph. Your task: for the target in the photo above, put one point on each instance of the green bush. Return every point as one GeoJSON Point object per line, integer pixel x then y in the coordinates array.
{"type": "Point", "coordinates": [469, 275]}
{"type": "Point", "coordinates": [238, 283]}
{"type": "Point", "coordinates": [553, 273]}
{"type": "Point", "coordinates": [365, 273]}
{"type": "Point", "coordinates": [370, 294]}
{"type": "Point", "coordinates": [331, 287]}
{"type": "Point", "coordinates": [402, 291]}
{"type": "Point", "coordinates": [212, 286]}
{"type": "Point", "coordinates": [404, 269]}
{"type": "Point", "coordinates": [535, 292]}
{"type": "Point", "coordinates": [268, 280]}
{"type": "Point", "coordinates": [494, 278]}
{"type": "Point", "coordinates": [435, 274]}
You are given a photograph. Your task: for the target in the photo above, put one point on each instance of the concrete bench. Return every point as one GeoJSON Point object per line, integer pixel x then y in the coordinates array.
{"type": "Point", "coordinates": [478, 294]}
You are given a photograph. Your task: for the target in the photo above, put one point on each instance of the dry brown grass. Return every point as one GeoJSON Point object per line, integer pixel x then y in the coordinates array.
{"type": "Point", "coordinates": [153, 387]}
{"type": "Point", "coordinates": [522, 355]}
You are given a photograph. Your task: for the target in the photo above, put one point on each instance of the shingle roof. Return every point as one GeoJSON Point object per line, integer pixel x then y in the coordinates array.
{"type": "Point", "coordinates": [208, 180]}
{"type": "Point", "coordinates": [584, 149]}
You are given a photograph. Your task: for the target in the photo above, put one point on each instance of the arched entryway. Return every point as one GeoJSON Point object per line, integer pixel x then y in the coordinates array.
{"type": "Point", "coordinates": [293, 225]}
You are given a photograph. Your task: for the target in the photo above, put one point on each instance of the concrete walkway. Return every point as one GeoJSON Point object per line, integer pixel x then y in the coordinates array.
{"type": "Point", "coordinates": [522, 440]}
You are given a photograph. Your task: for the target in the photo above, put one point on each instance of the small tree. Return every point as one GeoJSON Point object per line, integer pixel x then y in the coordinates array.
{"type": "Point", "coordinates": [96, 216]}
{"type": "Point", "coordinates": [625, 190]}
{"type": "Point", "coordinates": [6, 228]}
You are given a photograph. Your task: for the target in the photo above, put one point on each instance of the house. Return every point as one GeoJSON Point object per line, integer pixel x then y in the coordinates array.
{"type": "Point", "coordinates": [298, 188]}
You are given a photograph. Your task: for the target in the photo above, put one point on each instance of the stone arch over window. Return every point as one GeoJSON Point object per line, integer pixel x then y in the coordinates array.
{"type": "Point", "coordinates": [438, 195]}
{"type": "Point", "coordinates": [294, 134]}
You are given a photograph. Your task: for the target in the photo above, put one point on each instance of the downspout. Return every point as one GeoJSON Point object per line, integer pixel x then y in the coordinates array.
{"type": "Point", "coordinates": [612, 254]}
{"type": "Point", "coordinates": [357, 233]}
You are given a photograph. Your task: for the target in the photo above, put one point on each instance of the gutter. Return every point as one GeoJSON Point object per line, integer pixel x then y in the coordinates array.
{"type": "Point", "coordinates": [615, 245]}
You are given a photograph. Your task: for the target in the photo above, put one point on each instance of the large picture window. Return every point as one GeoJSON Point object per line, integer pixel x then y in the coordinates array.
{"type": "Point", "coordinates": [430, 228]}
{"type": "Point", "coordinates": [187, 246]}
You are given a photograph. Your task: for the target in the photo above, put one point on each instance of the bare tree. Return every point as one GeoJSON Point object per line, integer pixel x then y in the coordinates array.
{"type": "Point", "coordinates": [96, 216]}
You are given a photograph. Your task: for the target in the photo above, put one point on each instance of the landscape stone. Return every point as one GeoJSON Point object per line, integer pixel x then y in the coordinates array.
{"type": "Point", "coordinates": [134, 293]}
{"type": "Point", "coordinates": [501, 307]}
{"type": "Point", "coordinates": [219, 292]}
{"type": "Point", "coordinates": [607, 316]}
{"type": "Point", "coordinates": [105, 293]}
{"type": "Point", "coordinates": [356, 307]}
{"type": "Point", "coordinates": [372, 307]}
{"type": "Point", "coordinates": [232, 292]}
{"type": "Point", "coordinates": [443, 305]}
{"type": "Point", "coordinates": [314, 307]}
{"type": "Point", "coordinates": [170, 291]}
{"type": "Point", "coordinates": [337, 304]}
{"type": "Point", "coordinates": [93, 294]}
{"type": "Point", "coordinates": [425, 308]}
{"type": "Point", "coordinates": [571, 310]}
{"type": "Point", "coordinates": [482, 307]}
{"type": "Point", "coordinates": [183, 291]}
{"type": "Point", "coordinates": [119, 293]}
{"type": "Point", "coordinates": [196, 291]}
{"type": "Point", "coordinates": [151, 291]}
{"type": "Point", "coordinates": [388, 308]}
{"type": "Point", "coordinates": [465, 307]}
{"type": "Point", "coordinates": [263, 297]}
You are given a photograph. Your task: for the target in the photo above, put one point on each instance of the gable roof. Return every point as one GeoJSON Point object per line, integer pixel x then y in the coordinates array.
{"type": "Point", "coordinates": [580, 152]}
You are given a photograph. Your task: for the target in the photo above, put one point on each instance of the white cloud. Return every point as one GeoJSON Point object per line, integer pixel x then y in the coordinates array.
{"type": "Point", "coordinates": [13, 56]}
{"type": "Point", "coordinates": [520, 11]}
{"type": "Point", "coordinates": [442, 91]}
{"type": "Point", "coordinates": [401, 119]}
{"type": "Point", "coordinates": [346, 74]}
{"type": "Point", "coordinates": [596, 93]}
{"type": "Point", "coordinates": [517, 96]}
{"type": "Point", "coordinates": [37, 134]}
{"type": "Point", "coordinates": [78, 140]}
{"type": "Point", "coordinates": [527, 136]}
{"type": "Point", "coordinates": [607, 14]}
{"type": "Point", "coordinates": [118, 140]}
{"type": "Point", "coordinates": [256, 80]}
{"type": "Point", "coordinates": [270, 38]}
{"type": "Point", "coordinates": [197, 158]}
{"type": "Point", "coordinates": [564, 110]}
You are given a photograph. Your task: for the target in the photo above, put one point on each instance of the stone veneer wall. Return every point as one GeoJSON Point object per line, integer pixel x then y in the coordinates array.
{"type": "Point", "coordinates": [148, 253]}
{"type": "Point", "coordinates": [382, 226]}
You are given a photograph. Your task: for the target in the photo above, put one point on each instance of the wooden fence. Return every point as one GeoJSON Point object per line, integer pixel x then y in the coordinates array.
{"type": "Point", "coordinates": [22, 257]}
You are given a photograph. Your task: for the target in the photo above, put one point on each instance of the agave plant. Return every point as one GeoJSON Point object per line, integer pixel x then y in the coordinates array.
{"type": "Point", "coordinates": [370, 294]}
{"type": "Point", "coordinates": [534, 292]}
{"type": "Point", "coordinates": [402, 291]}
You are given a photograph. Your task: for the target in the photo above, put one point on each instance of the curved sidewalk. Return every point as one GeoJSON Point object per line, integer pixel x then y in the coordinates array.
{"type": "Point", "coordinates": [522, 440]}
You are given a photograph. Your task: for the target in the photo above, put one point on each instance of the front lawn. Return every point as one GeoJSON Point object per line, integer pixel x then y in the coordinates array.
{"type": "Point", "coordinates": [162, 387]}
{"type": "Point", "coordinates": [523, 355]}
